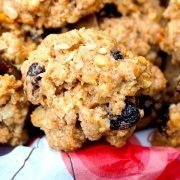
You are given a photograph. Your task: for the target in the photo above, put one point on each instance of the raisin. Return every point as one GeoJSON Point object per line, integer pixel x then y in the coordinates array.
{"type": "Point", "coordinates": [35, 82]}
{"type": "Point", "coordinates": [163, 118]}
{"type": "Point", "coordinates": [110, 10]}
{"type": "Point", "coordinates": [117, 55]}
{"type": "Point", "coordinates": [35, 69]}
{"type": "Point", "coordinates": [129, 117]}
{"type": "Point", "coordinates": [146, 103]}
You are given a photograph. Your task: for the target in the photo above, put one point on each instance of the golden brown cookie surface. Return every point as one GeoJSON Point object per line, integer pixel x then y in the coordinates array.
{"type": "Point", "coordinates": [86, 78]}
{"type": "Point", "coordinates": [15, 48]}
{"type": "Point", "coordinates": [13, 111]}
{"type": "Point", "coordinates": [47, 13]}
{"type": "Point", "coordinates": [171, 35]}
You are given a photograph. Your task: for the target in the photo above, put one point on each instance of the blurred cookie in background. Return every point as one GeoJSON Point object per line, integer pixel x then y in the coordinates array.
{"type": "Point", "coordinates": [170, 41]}
{"type": "Point", "coordinates": [47, 13]}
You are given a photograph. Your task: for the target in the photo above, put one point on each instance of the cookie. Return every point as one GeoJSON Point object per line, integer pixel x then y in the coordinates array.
{"type": "Point", "coordinates": [136, 32]}
{"type": "Point", "coordinates": [126, 30]}
{"type": "Point", "coordinates": [47, 13]}
{"type": "Point", "coordinates": [60, 135]}
{"type": "Point", "coordinates": [168, 131]}
{"type": "Point", "coordinates": [158, 81]}
{"type": "Point", "coordinates": [170, 94]}
{"type": "Point", "coordinates": [149, 103]}
{"type": "Point", "coordinates": [88, 81]}
{"type": "Point", "coordinates": [15, 48]}
{"type": "Point", "coordinates": [13, 111]}
{"type": "Point", "coordinates": [169, 128]}
{"type": "Point", "coordinates": [170, 41]}
{"type": "Point", "coordinates": [151, 7]}
{"type": "Point", "coordinates": [68, 137]}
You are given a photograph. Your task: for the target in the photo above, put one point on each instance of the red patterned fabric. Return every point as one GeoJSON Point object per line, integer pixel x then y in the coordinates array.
{"type": "Point", "coordinates": [96, 160]}
{"type": "Point", "coordinates": [102, 161]}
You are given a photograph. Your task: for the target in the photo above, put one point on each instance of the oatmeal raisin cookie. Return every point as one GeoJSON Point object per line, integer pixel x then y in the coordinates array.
{"type": "Point", "coordinates": [89, 83]}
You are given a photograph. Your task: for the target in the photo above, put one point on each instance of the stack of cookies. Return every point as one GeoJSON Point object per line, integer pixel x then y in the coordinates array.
{"type": "Point", "coordinates": [92, 69]}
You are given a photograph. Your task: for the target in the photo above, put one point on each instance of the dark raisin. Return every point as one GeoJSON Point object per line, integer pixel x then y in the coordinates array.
{"type": "Point", "coordinates": [163, 118]}
{"type": "Point", "coordinates": [110, 10]}
{"type": "Point", "coordinates": [146, 103]}
{"type": "Point", "coordinates": [129, 117]}
{"type": "Point", "coordinates": [35, 69]}
{"type": "Point", "coordinates": [117, 55]}
{"type": "Point", "coordinates": [35, 82]}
